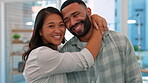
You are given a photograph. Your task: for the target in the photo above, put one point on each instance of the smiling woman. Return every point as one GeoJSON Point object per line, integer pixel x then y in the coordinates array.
{"type": "Point", "coordinates": [53, 30]}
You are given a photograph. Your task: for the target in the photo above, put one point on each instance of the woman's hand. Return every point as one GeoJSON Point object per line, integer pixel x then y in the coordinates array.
{"type": "Point", "coordinates": [99, 23]}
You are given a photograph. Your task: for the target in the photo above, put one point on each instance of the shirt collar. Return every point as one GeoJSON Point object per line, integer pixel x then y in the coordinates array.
{"type": "Point", "coordinates": [77, 42]}
{"type": "Point", "coordinates": [106, 33]}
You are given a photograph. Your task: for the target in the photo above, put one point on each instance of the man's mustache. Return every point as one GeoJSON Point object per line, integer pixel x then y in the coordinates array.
{"type": "Point", "coordinates": [76, 24]}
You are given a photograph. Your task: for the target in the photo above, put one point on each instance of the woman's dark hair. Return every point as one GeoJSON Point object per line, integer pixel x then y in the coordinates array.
{"type": "Point", "coordinates": [36, 39]}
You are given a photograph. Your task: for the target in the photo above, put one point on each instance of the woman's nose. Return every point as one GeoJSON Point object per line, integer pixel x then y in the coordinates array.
{"type": "Point", "coordinates": [57, 30]}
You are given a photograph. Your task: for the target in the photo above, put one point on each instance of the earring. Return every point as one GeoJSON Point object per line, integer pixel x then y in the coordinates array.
{"type": "Point", "coordinates": [41, 34]}
{"type": "Point", "coordinates": [64, 40]}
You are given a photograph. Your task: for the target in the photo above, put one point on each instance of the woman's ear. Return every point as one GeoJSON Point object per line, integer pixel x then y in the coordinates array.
{"type": "Point", "coordinates": [88, 11]}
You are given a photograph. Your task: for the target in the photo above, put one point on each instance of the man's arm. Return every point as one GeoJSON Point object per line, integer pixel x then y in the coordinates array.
{"type": "Point", "coordinates": [133, 74]}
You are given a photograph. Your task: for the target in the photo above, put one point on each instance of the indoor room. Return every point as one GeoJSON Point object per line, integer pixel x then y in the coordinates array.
{"type": "Point", "coordinates": [17, 19]}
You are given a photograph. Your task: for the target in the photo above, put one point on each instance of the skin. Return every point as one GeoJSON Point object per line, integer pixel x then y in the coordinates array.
{"type": "Point", "coordinates": [53, 30]}
{"type": "Point", "coordinates": [73, 14]}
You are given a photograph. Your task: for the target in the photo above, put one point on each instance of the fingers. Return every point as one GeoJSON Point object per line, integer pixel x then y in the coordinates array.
{"type": "Point", "coordinates": [102, 26]}
{"type": "Point", "coordinates": [99, 23]}
{"type": "Point", "coordinates": [102, 30]}
{"type": "Point", "coordinates": [95, 25]}
{"type": "Point", "coordinates": [105, 25]}
{"type": "Point", "coordinates": [94, 21]}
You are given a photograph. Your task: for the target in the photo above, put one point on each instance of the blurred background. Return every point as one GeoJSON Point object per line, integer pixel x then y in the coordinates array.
{"type": "Point", "coordinates": [129, 17]}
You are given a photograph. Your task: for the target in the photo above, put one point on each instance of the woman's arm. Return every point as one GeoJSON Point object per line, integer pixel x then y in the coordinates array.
{"type": "Point", "coordinates": [44, 62]}
{"type": "Point", "coordinates": [74, 61]}
{"type": "Point", "coordinates": [99, 22]}
{"type": "Point", "coordinates": [94, 44]}
{"type": "Point", "coordinates": [53, 62]}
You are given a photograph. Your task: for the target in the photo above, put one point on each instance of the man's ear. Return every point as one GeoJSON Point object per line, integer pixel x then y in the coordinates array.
{"type": "Point", "coordinates": [88, 11]}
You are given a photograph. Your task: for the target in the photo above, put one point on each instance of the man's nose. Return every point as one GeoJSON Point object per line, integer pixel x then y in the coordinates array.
{"type": "Point", "coordinates": [72, 21]}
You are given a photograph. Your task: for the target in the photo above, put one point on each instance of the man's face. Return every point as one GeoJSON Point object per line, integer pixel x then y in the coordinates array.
{"type": "Point", "coordinates": [76, 19]}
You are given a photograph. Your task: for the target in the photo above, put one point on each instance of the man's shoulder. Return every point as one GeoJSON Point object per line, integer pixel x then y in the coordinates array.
{"type": "Point", "coordinates": [71, 41]}
{"type": "Point", "coordinates": [117, 37]}
{"type": "Point", "coordinates": [68, 45]}
{"type": "Point", "coordinates": [115, 34]}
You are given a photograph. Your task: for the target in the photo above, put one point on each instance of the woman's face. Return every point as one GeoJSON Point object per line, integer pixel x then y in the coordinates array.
{"type": "Point", "coordinates": [53, 29]}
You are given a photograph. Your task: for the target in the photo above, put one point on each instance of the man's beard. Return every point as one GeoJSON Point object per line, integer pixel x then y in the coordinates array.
{"type": "Point", "coordinates": [87, 25]}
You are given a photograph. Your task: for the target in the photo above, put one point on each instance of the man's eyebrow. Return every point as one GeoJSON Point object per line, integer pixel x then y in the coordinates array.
{"type": "Point", "coordinates": [71, 14]}
{"type": "Point", "coordinates": [74, 12]}
{"type": "Point", "coordinates": [65, 18]}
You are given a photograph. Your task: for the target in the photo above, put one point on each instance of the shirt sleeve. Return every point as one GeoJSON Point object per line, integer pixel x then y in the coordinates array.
{"type": "Point", "coordinates": [52, 62]}
{"type": "Point", "coordinates": [133, 74]}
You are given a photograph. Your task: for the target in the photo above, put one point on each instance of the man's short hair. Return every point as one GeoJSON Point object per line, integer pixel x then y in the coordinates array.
{"type": "Point", "coordinates": [67, 2]}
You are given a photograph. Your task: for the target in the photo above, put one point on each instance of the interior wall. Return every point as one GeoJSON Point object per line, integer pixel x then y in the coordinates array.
{"type": "Point", "coordinates": [15, 0]}
{"type": "Point", "coordinates": [2, 44]}
{"type": "Point", "coordinates": [0, 39]}
{"type": "Point", "coordinates": [14, 20]}
{"type": "Point", "coordinates": [105, 8]}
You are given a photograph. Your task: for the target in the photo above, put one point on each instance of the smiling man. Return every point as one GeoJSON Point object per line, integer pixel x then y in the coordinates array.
{"type": "Point", "coordinates": [116, 62]}
{"type": "Point", "coordinates": [76, 27]}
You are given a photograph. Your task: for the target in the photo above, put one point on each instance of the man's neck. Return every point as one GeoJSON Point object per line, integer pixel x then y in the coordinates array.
{"type": "Point", "coordinates": [87, 36]}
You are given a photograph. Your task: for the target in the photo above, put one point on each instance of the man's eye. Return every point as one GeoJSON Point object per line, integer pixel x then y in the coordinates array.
{"type": "Point", "coordinates": [75, 15]}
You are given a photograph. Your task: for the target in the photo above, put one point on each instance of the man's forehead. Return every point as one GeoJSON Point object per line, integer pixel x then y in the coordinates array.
{"type": "Point", "coordinates": [70, 8]}
{"type": "Point", "coordinates": [68, 2]}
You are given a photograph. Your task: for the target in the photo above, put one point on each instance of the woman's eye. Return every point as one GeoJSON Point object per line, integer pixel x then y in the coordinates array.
{"type": "Point", "coordinates": [61, 25]}
{"type": "Point", "coordinates": [51, 26]}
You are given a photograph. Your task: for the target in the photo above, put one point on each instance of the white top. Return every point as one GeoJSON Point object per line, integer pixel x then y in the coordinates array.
{"type": "Point", "coordinates": [45, 65]}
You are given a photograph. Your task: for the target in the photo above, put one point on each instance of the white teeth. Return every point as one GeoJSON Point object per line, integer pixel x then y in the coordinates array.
{"type": "Point", "coordinates": [56, 36]}
{"type": "Point", "coordinates": [77, 28]}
